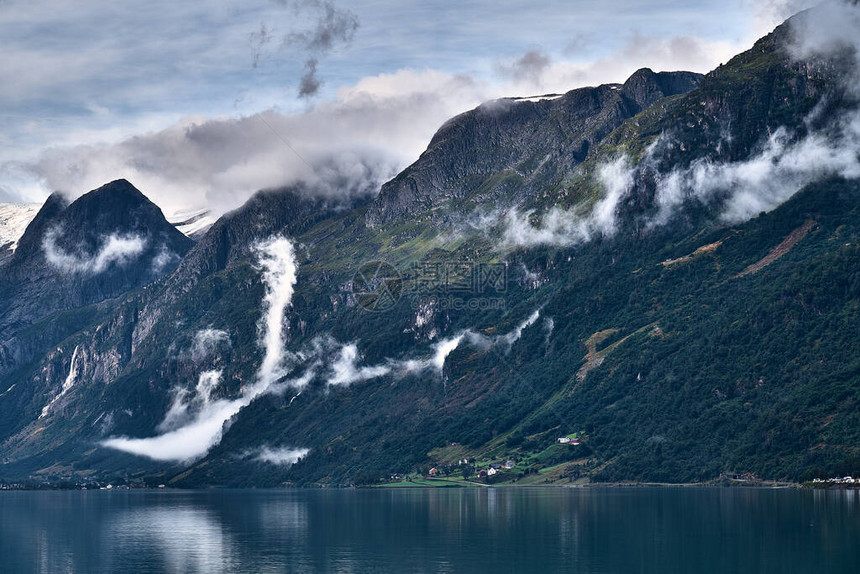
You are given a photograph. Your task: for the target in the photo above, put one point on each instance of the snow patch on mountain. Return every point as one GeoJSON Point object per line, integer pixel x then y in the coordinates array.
{"type": "Point", "coordinates": [14, 219]}
{"type": "Point", "coordinates": [192, 223]}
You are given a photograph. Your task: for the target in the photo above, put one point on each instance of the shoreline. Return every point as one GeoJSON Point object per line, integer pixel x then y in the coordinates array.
{"type": "Point", "coordinates": [442, 483]}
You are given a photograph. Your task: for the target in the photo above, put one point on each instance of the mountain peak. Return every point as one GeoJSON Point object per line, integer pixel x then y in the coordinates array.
{"type": "Point", "coordinates": [646, 86]}
{"type": "Point", "coordinates": [117, 198]}
{"type": "Point", "coordinates": [117, 207]}
{"type": "Point", "coordinates": [103, 244]}
{"type": "Point", "coordinates": [119, 187]}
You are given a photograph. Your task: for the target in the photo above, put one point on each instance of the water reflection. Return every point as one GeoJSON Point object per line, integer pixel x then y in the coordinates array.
{"type": "Point", "coordinates": [479, 530]}
{"type": "Point", "coordinates": [178, 539]}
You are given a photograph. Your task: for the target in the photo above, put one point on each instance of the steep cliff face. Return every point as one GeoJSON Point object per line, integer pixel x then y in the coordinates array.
{"type": "Point", "coordinates": [508, 150]}
{"type": "Point", "coordinates": [645, 87]}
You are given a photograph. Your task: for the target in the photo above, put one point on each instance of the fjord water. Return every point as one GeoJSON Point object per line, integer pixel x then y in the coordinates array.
{"type": "Point", "coordinates": [594, 530]}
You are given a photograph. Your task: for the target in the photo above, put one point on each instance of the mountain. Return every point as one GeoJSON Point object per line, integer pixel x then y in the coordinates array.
{"type": "Point", "coordinates": [107, 242]}
{"type": "Point", "coordinates": [73, 260]}
{"type": "Point", "coordinates": [507, 150]}
{"type": "Point", "coordinates": [666, 269]}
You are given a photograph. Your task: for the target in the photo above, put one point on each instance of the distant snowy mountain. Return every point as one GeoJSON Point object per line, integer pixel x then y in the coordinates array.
{"type": "Point", "coordinates": [193, 223]}
{"type": "Point", "coordinates": [14, 219]}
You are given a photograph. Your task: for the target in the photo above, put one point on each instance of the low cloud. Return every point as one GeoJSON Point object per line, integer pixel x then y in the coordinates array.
{"type": "Point", "coordinates": [186, 404]}
{"type": "Point", "coordinates": [163, 258]}
{"type": "Point", "coordinates": [344, 370]}
{"type": "Point", "coordinates": [344, 359]}
{"type": "Point", "coordinates": [786, 163]}
{"type": "Point", "coordinates": [509, 339]}
{"type": "Point", "coordinates": [340, 149]}
{"type": "Point", "coordinates": [565, 227]}
{"type": "Point", "coordinates": [281, 456]}
{"type": "Point", "coordinates": [549, 327]}
{"type": "Point", "coordinates": [115, 249]}
{"type": "Point", "coordinates": [277, 262]}
{"type": "Point", "coordinates": [195, 421]}
{"type": "Point", "coordinates": [443, 349]}
{"type": "Point", "coordinates": [830, 29]}
{"type": "Point", "coordinates": [764, 181]}
{"type": "Point", "coordinates": [206, 342]}
{"type": "Point", "coordinates": [536, 73]}
{"type": "Point", "coordinates": [187, 443]}
{"type": "Point", "coordinates": [736, 191]}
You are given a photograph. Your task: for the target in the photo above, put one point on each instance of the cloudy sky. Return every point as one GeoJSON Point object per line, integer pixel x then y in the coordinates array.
{"type": "Point", "coordinates": [200, 104]}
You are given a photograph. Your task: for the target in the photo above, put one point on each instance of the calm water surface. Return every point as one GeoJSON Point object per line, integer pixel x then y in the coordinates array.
{"type": "Point", "coordinates": [617, 530]}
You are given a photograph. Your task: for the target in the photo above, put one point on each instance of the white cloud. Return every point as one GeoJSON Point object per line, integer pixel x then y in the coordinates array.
{"type": "Point", "coordinates": [743, 188]}
{"type": "Point", "coordinates": [673, 53]}
{"type": "Point", "coordinates": [206, 342]}
{"type": "Point", "coordinates": [344, 370]}
{"type": "Point", "coordinates": [616, 178]}
{"type": "Point", "coordinates": [163, 258]}
{"type": "Point", "coordinates": [366, 131]}
{"type": "Point", "coordinates": [444, 348]}
{"type": "Point", "coordinates": [783, 166]}
{"type": "Point", "coordinates": [278, 264]}
{"type": "Point", "coordinates": [188, 442]}
{"type": "Point", "coordinates": [115, 249]}
{"type": "Point", "coordinates": [510, 338]}
{"type": "Point", "coordinates": [769, 13]}
{"type": "Point", "coordinates": [566, 227]}
{"type": "Point", "coordinates": [281, 456]}
{"type": "Point", "coordinates": [764, 181]}
{"type": "Point", "coordinates": [344, 367]}
{"type": "Point", "coordinates": [195, 422]}
{"type": "Point", "coordinates": [785, 163]}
